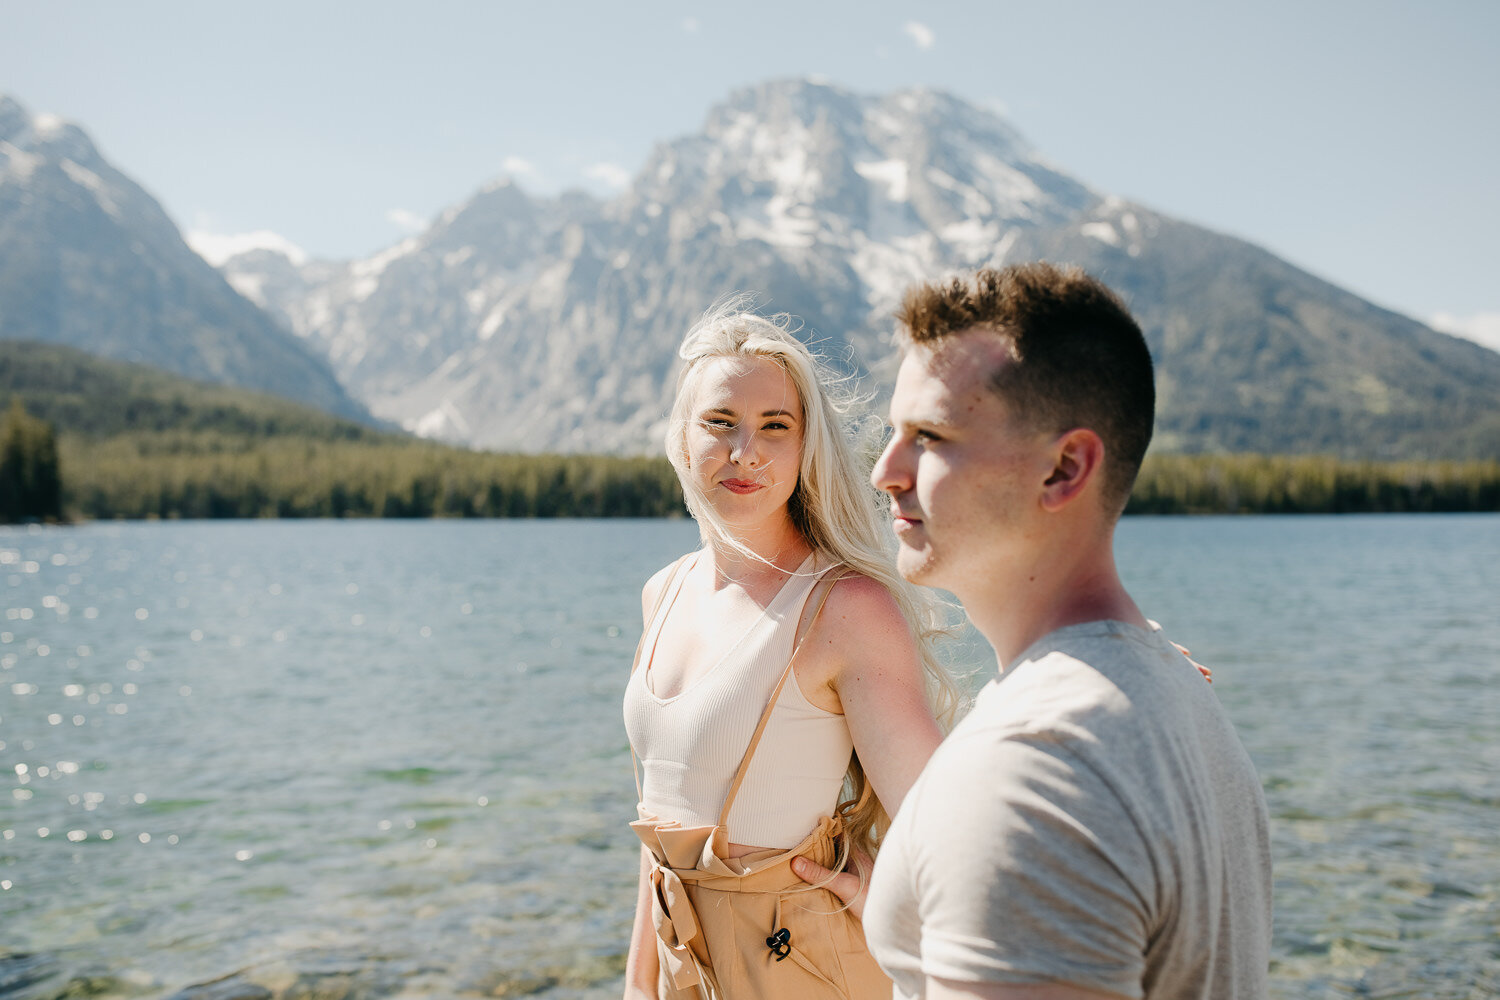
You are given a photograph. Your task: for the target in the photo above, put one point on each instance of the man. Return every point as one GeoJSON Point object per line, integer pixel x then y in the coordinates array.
{"type": "Point", "coordinates": [1093, 827]}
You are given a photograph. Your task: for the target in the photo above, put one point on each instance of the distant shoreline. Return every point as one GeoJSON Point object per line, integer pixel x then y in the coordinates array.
{"type": "Point", "coordinates": [114, 440]}
{"type": "Point", "coordinates": [109, 480]}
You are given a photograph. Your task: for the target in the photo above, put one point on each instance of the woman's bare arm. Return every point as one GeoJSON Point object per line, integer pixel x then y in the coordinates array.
{"type": "Point", "coordinates": [868, 658]}
{"type": "Point", "coordinates": [874, 670]}
{"type": "Point", "coordinates": [641, 962]}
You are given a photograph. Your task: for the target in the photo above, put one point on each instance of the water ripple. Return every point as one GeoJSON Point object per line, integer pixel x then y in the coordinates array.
{"type": "Point", "coordinates": [344, 760]}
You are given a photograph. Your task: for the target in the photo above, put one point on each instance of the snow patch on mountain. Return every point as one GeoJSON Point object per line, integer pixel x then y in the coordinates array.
{"type": "Point", "coordinates": [889, 174]}
{"type": "Point", "coordinates": [1101, 231]}
{"type": "Point", "coordinates": [493, 320]}
{"type": "Point", "coordinates": [218, 248]}
{"type": "Point", "coordinates": [18, 164]}
{"type": "Point", "coordinates": [366, 273]}
{"type": "Point", "coordinates": [251, 286]}
{"type": "Point", "coordinates": [443, 423]}
{"type": "Point", "coordinates": [94, 184]}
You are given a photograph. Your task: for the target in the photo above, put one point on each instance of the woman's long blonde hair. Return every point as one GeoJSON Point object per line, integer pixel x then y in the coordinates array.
{"type": "Point", "coordinates": [834, 507]}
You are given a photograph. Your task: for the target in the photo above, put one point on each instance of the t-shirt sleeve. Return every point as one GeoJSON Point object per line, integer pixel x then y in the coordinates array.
{"type": "Point", "coordinates": [1028, 869]}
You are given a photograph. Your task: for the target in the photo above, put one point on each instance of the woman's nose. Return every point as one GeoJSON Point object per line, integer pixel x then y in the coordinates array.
{"type": "Point", "coordinates": [744, 450]}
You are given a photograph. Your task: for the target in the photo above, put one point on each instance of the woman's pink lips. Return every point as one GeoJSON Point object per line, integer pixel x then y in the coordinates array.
{"type": "Point", "coordinates": [741, 485]}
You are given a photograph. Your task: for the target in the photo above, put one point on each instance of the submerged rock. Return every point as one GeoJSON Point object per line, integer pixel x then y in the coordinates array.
{"type": "Point", "coordinates": [47, 976]}
{"type": "Point", "coordinates": [25, 975]}
{"type": "Point", "coordinates": [235, 987]}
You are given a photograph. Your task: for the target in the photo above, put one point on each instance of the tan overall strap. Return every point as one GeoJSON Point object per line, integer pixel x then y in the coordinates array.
{"type": "Point", "coordinates": [765, 716]}
{"type": "Point", "coordinates": [661, 599]}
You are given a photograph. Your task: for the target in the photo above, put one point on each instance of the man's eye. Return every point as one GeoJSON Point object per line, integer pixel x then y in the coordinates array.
{"type": "Point", "coordinates": [926, 437]}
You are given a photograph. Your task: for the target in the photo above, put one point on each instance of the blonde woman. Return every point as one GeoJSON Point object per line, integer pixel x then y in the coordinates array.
{"type": "Point", "coordinates": [784, 695]}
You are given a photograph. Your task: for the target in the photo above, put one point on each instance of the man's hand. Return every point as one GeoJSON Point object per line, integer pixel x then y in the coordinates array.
{"type": "Point", "coordinates": [845, 885]}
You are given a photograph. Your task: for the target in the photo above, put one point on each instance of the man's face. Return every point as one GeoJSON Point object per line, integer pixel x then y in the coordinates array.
{"type": "Point", "coordinates": [963, 473]}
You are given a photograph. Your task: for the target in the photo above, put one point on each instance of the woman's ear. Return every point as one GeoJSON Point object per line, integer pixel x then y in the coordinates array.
{"type": "Point", "coordinates": [1078, 460]}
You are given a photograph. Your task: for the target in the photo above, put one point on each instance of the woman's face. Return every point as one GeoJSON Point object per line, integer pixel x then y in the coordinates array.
{"type": "Point", "coordinates": [744, 438]}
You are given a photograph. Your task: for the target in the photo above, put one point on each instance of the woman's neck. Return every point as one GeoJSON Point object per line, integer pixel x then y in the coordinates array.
{"type": "Point", "coordinates": [774, 551]}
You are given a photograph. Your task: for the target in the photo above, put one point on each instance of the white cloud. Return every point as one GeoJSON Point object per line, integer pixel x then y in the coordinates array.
{"type": "Point", "coordinates": [516, 165]}
{"type": "Point", "coordinates": [611, 175]}
{"type": "Point", "coordinates": [920, 34]}
{"type": "Point", "coordinates": [406, 220]}
{"type": "Point", "coordinates": [1482, 328]}
{"type": "Point", "coordinates": [216, 248]}
{"type": "Point", "coordinates": [690, 25]}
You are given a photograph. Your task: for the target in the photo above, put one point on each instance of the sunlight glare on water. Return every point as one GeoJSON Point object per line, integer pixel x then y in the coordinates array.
{"type": "Point", "coordinates": [370, 758]}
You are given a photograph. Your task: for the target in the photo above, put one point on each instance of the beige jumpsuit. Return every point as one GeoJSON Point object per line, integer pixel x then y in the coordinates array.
{"type": "Point", "coordinates": [748, 928]}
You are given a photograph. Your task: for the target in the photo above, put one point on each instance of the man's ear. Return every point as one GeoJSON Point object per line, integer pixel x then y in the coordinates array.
{"type": "Point", "coordinates": [1078, 460]}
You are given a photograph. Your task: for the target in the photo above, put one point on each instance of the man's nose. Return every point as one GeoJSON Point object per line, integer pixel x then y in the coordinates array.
{"type": "Point", "coordinates": [889, 473]}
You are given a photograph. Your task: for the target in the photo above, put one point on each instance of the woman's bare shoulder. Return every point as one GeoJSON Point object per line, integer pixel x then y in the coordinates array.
{"type": "Point", "coordinates": [863, 609]}
{"type": "Point", "coordinates": [651, 592]}
{"type": "Point", "coordinates": [863, 642]}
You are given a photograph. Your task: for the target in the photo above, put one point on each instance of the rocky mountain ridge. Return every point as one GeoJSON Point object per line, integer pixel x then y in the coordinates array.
{"type": "Point", "coordinates": [88, 259]}
{"type": "Point", "coordinates": [537, 324]}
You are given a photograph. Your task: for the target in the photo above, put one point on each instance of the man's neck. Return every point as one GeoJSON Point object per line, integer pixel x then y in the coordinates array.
{"type": "Point", "coordinates": [1064, 586]}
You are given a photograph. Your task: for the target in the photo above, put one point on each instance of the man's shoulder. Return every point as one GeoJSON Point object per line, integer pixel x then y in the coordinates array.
{"type": "Point", "coordinates": [1105, 646]}
{"type": "Point", "coordinates": [1083, 672]}
{"type": "Point", "coordinates": [1105, 669]}
{"type": "Point", "coordinates": [1115, 699]}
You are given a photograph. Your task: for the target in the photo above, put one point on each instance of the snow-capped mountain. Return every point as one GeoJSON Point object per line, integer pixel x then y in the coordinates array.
{"type": "Point", "coordinates": [89, 259]}
{"type": "Point", "coordinates": [551, 324]}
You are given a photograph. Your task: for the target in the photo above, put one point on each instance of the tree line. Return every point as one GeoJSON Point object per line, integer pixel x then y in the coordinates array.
{"type": "Point", "coordinates": [30, 474]}
{"type": "Point", "coordinates": [214, 476]}
{"type": "Point", "coordinates": [217, 474]}
{"type": "Point", "coordinates": [1311, 484]}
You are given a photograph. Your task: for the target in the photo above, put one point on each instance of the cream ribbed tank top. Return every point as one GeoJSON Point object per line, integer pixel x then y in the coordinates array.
{"type": "Point", "coordinates": [691, 745]}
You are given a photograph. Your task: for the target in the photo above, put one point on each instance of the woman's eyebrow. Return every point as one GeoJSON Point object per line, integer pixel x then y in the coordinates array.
{"type": "Point", "coordinates": [729, 412]}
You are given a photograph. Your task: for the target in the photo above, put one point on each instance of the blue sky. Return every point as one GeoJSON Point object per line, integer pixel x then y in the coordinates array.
{"type": "Point", "coordinates": [1356, 139]}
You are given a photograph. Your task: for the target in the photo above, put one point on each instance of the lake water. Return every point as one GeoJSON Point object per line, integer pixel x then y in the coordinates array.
{"type": "Point", "coordinates": [346, 760]}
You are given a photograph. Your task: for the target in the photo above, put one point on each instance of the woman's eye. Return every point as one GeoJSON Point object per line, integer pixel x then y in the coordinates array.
{"type": "Point", "coordinates": [776, 425]}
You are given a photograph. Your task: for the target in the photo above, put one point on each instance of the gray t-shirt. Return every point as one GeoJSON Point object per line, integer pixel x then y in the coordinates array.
{"type": "Point", "coordinates": [1093, 821]}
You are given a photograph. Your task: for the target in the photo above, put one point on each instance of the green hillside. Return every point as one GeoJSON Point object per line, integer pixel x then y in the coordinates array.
{"type": "Point", "coordinates": [92, 397]}
{"type": "Point", "coordinates": [137, 442]}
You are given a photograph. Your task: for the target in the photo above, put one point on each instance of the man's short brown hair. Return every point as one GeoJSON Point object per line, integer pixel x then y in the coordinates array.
{"type": "Point", "coordinates": [1080, 359]}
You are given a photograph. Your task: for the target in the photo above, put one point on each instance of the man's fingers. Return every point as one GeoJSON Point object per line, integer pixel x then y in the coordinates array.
{"type": "Point", "coordinates": [844, 885]}
{"type": "Point", "coordinates": [809, 871]}
{"type": "Point", "coordinates": [1208, 674]}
